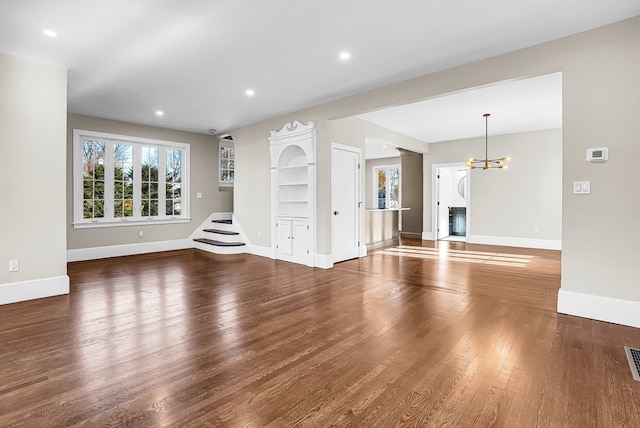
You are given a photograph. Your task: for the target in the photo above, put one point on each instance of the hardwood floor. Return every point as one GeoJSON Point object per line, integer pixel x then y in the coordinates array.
{"type": "Point", "coordinates": [403, 337]}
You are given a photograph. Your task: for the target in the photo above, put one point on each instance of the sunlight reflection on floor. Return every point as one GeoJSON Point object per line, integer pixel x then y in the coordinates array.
{"type": "Point", "coordinates": [501, 259]}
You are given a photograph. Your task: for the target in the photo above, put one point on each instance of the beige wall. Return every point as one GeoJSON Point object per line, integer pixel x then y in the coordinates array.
{"type": "Point", "coordinates": [512, 202]}
{"type": "Point", "coordinates": [601, 106]}
{"type": "Point", "coordinates": [203, 179]}
{"type": "Point", "coordinates": [33, 105]}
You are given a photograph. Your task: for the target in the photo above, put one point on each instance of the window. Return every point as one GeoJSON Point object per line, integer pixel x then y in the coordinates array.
{"type": "Point", "coordinates": [121, 180]}
{"type": "Point", "coordinates": [387, 191]}
{"type": "Point", "coordinates": [226, 165]}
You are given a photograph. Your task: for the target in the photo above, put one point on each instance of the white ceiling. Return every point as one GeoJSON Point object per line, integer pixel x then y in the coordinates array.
{"type": "Point", "coordinates": [515, 106]}
{"type": "Point", "coordinates": [195, 59]}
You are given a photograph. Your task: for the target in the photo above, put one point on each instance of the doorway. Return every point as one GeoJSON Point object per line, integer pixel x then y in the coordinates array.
{"type": "Point", "coordinates": [452, 208]}
{"type": "Point", "coordinates": [345, 202]}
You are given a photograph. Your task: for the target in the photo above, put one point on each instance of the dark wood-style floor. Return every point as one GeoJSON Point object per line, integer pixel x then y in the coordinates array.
{"type": "Point", "coordinates": [412, 337]}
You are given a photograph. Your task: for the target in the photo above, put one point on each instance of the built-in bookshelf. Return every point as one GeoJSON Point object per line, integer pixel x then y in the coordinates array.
{"type": "Point", "coordinates": [293, 183]}
{"type": "Point", "coordinates": [293, 191]}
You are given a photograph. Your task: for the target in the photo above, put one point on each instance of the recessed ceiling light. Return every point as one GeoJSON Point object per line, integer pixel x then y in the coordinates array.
{"type": "Point", "coordinates": [250, 92]}
{"type": "Point", "coordinates": [344, 56]}
{"type": "Point", "coordinates": [159, 113]}
{"type": "Point", "coordinates": [50, 33]}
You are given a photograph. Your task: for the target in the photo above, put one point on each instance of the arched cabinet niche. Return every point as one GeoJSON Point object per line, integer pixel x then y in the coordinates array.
{"type": "Point", "coordinates": [293, 192]}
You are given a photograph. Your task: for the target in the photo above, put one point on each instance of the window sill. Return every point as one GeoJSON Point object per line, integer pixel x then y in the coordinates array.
{"type": "Point", "coordinates": [132, 222]}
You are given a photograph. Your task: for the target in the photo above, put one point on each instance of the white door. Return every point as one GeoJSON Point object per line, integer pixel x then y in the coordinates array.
{"type": "Point", "coordinates": [283, 228]}
{"type": "Point", "coordinates": [444, 201]}
{"type": "Point", "coordinates": [299, 238]}
{"type": "Point", "coordinates": [345, 198]}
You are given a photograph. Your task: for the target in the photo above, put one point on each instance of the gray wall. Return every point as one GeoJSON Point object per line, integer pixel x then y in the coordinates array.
{"type": "Point", "coordinates": [33, 106]}
{"type": "Point", "coordinates": [203, 179]}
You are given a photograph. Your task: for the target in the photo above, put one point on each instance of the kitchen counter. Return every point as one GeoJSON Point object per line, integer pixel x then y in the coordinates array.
{"type": "Point", "coordinates": [381, 227]}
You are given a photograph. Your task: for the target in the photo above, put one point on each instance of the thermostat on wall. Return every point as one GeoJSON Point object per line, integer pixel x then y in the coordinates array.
{"type": "Point", "coordinates": [599, 154]}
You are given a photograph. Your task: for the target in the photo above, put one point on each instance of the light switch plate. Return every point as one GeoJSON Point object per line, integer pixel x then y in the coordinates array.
{"type": "Point", "coordinates": [581, 187]}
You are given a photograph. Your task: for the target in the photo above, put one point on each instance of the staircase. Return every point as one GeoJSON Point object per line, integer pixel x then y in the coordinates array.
{"type": "Point", "coordinates": [221, 237]}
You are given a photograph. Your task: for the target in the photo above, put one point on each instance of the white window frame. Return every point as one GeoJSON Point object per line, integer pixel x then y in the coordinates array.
{"type": "Point", "coordinates": [225, 143]}
{"type": "Point", "coordinates": [109, 220]}
{"type": "Point", "coordinates": [374, 181]}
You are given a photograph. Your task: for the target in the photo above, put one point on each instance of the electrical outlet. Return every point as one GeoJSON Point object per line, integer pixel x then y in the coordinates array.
{"type": "Point", "coordinates": [14, 265]}
{"type": "Point", "coordinates": [140, 233]}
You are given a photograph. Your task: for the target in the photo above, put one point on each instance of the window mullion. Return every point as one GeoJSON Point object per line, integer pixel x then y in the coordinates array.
{"type": "Point", "coordinates": [108, 179]}
{"type": "Point", "coordinates": [137, 179]}
{"type": "Point", "coordinates": [387, 185]}
{"type": "Point", "coordinates": [162, 182]}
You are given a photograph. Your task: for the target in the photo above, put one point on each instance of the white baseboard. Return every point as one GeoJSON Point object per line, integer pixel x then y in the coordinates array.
{"type": "Point", "coordinates": [262, 251]}
{"type": "Point", "coordinates": [427, 236]}
{"type": "Point", "coordinates": [545, 244]}
{"type": "Point", "coordinates": [319, 260]}
{"type": "Point", "coordinates": [624, 312]}
{"type": "Point", "coordinates": [126, 250]}
{"type": "Point", "coordinates": [35, 289]}
{"type": "Point", "coordinates": [323, 261]}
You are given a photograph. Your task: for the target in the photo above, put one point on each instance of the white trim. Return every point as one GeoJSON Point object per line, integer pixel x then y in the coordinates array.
{"type": "Point", "coordinates": [261, 251]}
{"type": "Point", "coordinates": [225, 143]}
{"type": "Point", "coordinates": [434, 196]}
{"type": "Point", "coordinates": [427, 236]}
{"type": "Point", "coordinates": [506, 241]}
{"type": "Point", "coordinates": [110, 140]}
{"type": "Point", "coordinates": [33, 289]}
{"type": "Point", "coordinates": [323, 261]}
{"type": "Point", "coordinates": [374, 182]}
{"type": "Point", "coordinates": [128, 221]}
{"type": "Point", "coordinates": [93, 253]}
{"type": "Point", "coordinates": [608, 309]}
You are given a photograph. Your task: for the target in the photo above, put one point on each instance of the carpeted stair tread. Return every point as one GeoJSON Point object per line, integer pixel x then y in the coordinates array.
{"type": "Point", "coordinates": [219, 243]}
{"type": "Point", "coordinates": [221, 232]}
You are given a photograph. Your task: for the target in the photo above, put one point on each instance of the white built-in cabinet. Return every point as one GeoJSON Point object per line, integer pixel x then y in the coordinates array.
{"type": "Point", "coordinates": [293, 190]}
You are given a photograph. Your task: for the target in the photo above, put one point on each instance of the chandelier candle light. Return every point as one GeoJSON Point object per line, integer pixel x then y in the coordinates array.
{"type": "Point", "coordinates": [486, 163]}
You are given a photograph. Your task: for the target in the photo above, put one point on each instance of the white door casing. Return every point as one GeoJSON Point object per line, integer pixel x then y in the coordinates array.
{"type": "Point", "coordinates": [444, 202]}
{"type": "Point", "coordinates": [435, 190]}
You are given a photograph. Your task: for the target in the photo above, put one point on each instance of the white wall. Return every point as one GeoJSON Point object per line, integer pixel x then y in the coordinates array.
{"type": "Point", "coordinates": [33, 106]}
{"type": "Point", "coordinates": [601, 104]}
